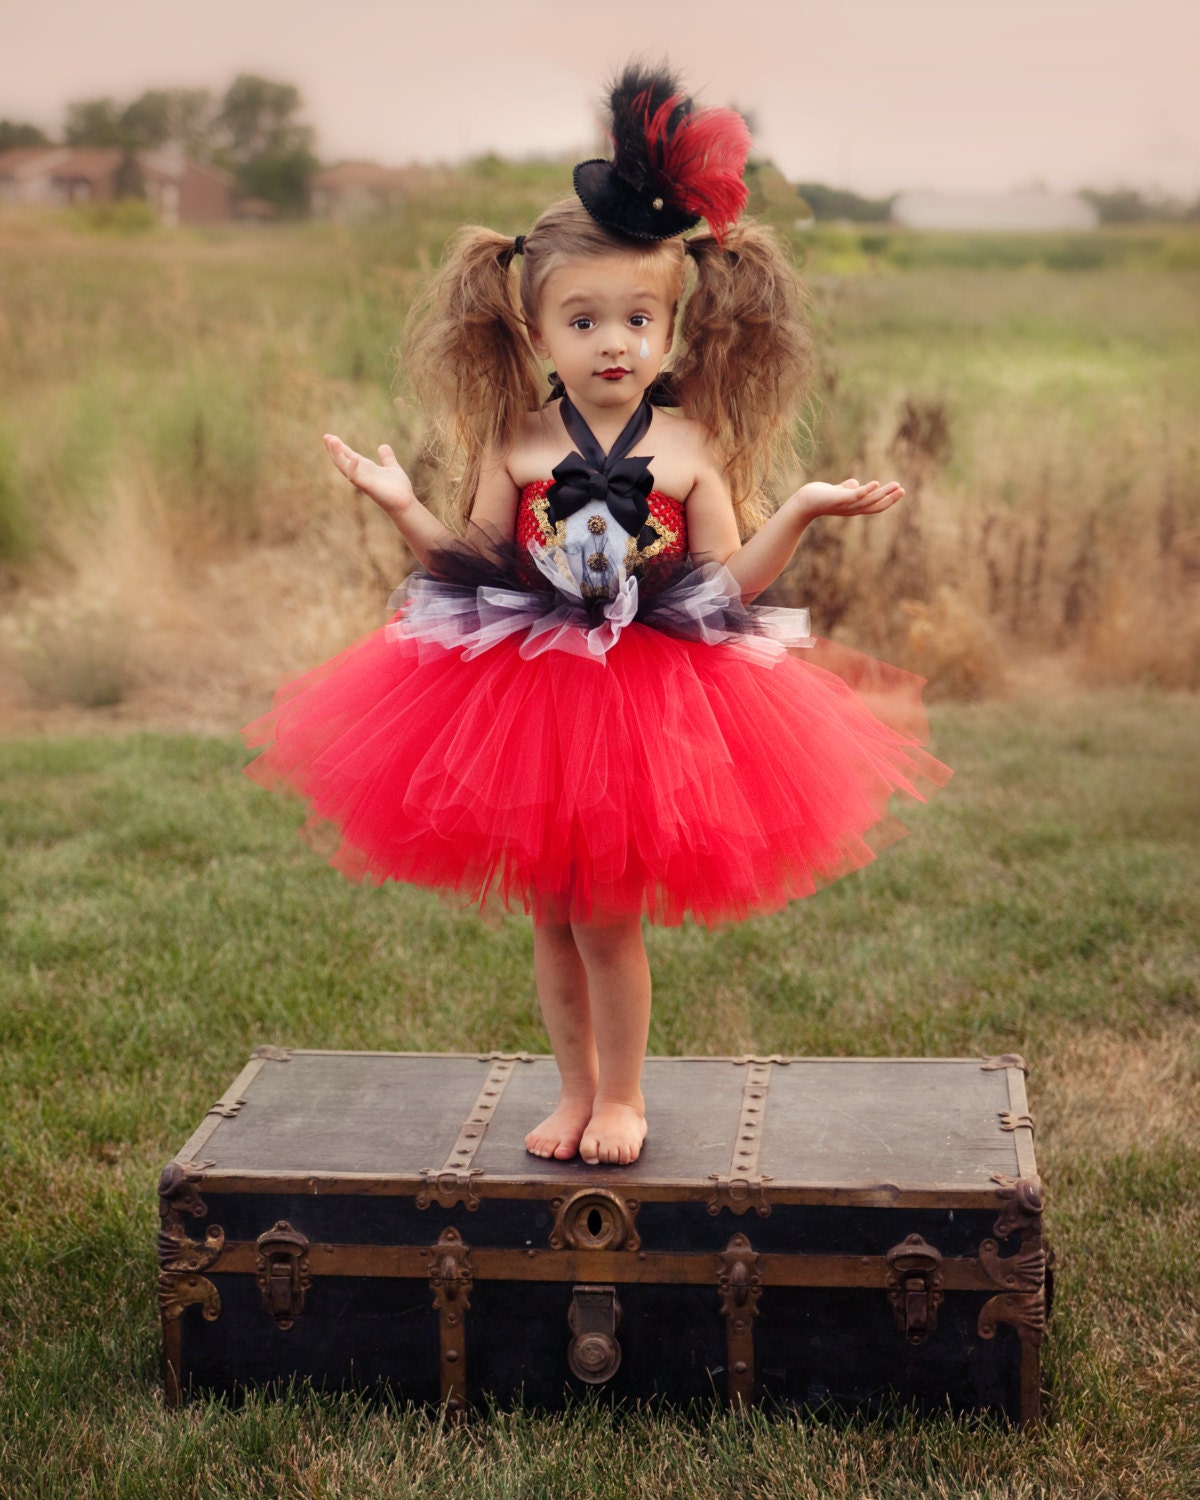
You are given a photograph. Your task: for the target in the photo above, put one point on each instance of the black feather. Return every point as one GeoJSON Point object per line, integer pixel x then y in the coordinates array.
{"type": "Point", "coordinates": [640, 92]}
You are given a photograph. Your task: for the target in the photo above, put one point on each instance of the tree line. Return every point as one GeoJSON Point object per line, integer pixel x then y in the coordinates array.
{"type": "Point", "coordinates": [254, 131]}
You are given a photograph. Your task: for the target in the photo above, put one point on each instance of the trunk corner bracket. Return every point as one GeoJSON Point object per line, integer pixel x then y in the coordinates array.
{"type": "Point", "coordinates": [1025, 1276]}
{"type": "Point", "coordinates": [181, 1259]}
{"type": "Point", "coordinates": [1005, 1060]}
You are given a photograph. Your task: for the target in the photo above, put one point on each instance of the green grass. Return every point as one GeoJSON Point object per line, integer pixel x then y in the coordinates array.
{"type": "Point", "coordinates": [175, 384]}
{"type": "Point", "coordinates": [159, 918]}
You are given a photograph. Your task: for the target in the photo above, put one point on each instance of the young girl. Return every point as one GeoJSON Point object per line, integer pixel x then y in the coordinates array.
{"type": "Point", "coordinates": [577, 709]}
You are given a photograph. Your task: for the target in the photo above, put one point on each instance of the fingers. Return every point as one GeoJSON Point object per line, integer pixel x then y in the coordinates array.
{"type": "Point", "coordinates": [871, 499]}
{"type": "Point", "coordinates": [345, 458]}
{"type": "Point", "coordinates": [882, 500]}
{"type": "Point", "coordinates": [387, 457]}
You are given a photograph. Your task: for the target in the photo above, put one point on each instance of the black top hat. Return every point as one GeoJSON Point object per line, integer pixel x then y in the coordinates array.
{"type": "Point", "coordinates": [671, 166]}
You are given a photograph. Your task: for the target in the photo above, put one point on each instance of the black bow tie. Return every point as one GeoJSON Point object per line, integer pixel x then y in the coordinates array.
{"type": "Point", "coordinates": [622, 483]}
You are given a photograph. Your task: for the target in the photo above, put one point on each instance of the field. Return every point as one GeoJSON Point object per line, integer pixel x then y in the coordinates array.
{"type": "Point", "coordinates": [160, 918]}
{"type": "Point", "coordinates": [165, 503]}
{"type": "Point", "coordinates": [172, 539]}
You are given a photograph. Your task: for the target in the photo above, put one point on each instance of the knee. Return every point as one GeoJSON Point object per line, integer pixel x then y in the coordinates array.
{"type": "Point", "coordinates": [610, 942]}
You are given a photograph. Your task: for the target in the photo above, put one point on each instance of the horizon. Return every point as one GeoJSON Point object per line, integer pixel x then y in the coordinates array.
{"type": "Point", "coordinates": [939, 98]}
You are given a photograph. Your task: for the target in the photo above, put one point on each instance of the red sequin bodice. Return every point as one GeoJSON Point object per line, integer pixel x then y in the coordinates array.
{"type": "Point", "coordinates": [667, 519]}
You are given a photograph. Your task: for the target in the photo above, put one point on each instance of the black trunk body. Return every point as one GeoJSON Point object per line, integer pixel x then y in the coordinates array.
{"type": "Point", "coordinates": [809, 1231]}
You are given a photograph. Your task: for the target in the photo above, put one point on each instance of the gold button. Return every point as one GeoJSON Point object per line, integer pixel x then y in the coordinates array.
{"type": "Point", "coordinates": [597, 525]}
{"type": "Point", "coordinates": [598, 562]}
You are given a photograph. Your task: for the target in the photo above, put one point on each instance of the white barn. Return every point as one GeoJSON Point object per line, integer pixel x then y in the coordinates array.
{"type": "Point", "coordinates": [994, 211]}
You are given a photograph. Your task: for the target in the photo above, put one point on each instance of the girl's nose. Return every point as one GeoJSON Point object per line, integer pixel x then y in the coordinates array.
{"type": "Point", "coordinates": [615, 341]}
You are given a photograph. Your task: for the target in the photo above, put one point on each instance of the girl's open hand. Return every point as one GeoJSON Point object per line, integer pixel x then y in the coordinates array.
{"type": "Point", "coordinates": [848, 498]}
{"type": "Point", "coordinates": [385, 482]}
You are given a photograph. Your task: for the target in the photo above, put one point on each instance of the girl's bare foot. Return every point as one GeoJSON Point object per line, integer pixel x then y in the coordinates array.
{"type": "Point", "coordinates": [558, 1135]}
{"type": "Point", "coordinates": [613, 1135]}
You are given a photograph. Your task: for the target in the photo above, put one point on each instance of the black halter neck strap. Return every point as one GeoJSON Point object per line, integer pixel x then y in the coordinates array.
{"type": "Point", "coordinates": [585, 440]}
{"type": "Point", "coordinates": [589, 473]}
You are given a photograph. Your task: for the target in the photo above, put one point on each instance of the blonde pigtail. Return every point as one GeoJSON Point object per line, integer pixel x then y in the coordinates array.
{"type": "Point", "coordinates": [746, 356]}
{"type": "Point", "coordinates": [467, 356]}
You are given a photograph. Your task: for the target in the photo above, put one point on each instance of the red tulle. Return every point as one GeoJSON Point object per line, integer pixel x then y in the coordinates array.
{"type": "Point", "coordinates": [674, 779]}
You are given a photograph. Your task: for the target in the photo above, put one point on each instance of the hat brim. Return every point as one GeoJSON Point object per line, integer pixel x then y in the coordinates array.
{"type": "Point", "coordinates": [616, 205]}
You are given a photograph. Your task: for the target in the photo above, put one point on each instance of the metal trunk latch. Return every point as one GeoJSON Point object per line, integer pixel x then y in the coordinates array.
{"type": "Point", "coordinates": [914, 1283]}
{"type": "Point", "coordinates": [739, 1283]}
{"type": "Point", "coordinates": [282, 1274]}
{"type": "Point", "coordinates": [594, 1353]}
{"type": "Point", "coordinates": [451, 1277]}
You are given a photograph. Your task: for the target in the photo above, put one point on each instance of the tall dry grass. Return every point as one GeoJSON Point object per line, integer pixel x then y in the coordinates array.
{"type": "Point", "coordinates": [172, 538]}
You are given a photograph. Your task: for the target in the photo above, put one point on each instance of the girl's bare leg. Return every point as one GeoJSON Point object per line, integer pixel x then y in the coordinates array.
{"type": "Point", "coordinates": [618, 987]}
{"type": "Point", "coordinates": [562, 987]}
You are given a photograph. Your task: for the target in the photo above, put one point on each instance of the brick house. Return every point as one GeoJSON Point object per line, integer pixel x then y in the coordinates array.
{"type": "Point", "coordinates": [180, 189]}
{"type": "Point", "coordinates": [353, 191]}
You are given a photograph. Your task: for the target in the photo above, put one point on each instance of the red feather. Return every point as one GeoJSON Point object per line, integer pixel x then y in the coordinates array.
{"type": "Point", "coordinates": [700, 162]}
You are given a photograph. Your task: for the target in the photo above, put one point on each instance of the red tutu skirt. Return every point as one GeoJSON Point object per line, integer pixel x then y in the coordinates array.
{"type": "Point", "coordinates": [670, 777]}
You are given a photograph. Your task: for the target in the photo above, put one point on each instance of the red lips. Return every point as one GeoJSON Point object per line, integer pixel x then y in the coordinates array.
{"type": "Point", "coordinates": [616, 372]}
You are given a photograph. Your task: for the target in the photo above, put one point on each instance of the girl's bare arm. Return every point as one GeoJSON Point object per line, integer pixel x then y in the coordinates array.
{"type": "Point", "coordinates": [758, 563]}
{"type": "Point", "coordinates": [389, 486]}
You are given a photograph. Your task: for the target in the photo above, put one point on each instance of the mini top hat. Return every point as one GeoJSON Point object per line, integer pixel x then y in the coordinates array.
{"type": "Point", "coordinates": [672, 164]}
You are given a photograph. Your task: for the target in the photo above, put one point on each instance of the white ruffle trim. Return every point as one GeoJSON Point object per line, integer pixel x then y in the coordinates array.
{"type": "Point", "coordinates": [697, 607]}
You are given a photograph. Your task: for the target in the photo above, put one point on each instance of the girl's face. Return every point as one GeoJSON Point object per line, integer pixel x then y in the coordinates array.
{"type": "Point", "coordinates": [606, 323]}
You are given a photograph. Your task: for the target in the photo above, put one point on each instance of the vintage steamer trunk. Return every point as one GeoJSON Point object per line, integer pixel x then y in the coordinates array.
{"type": "Point", "coordinates": [808, 1230]}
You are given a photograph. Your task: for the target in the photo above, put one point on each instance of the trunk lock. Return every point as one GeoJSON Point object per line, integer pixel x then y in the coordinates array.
{"type": "Point", "coordinates": [594, 1353]}
{"type": "Point", "coordinates": [282, 1274]}
{"type": "Point", "coordinates": [914, 1283]}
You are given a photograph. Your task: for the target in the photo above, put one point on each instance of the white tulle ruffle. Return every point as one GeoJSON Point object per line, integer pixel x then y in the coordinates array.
{"type": "Point", "coordinates": [704, 605]}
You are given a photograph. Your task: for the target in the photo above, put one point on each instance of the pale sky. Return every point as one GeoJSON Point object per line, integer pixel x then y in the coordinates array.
{"type": "Point", "coordinates": [875, 95]}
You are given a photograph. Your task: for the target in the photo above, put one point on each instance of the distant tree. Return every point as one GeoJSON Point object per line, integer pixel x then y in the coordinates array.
{"type": "Point", "coordinates": [94, 122]}
{"type": "Point", "coordinates": [129, 182]}
{"type": "Point", "coordinates": [161, 117]}
{"type": "Point", "coordinates": [837, 203]}
{"type": "Point", "coordinates": [13, 133]}
{"type": "Point", "coordinates": [263, 143]}
{"type": "Point", "coordinates": [281, 177]}
{"type": "Point", "coordinates": [1126, 205]}
{"type": "Point", "coordinates": [259, 115]}
{"type": "Point", "coordinates": [772, 197]}
{"type": "Point", "coordinates": [254, 132]}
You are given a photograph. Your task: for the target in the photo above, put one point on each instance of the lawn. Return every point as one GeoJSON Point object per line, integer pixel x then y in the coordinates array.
{"type": "Point", "coordinates": [159, 919]}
